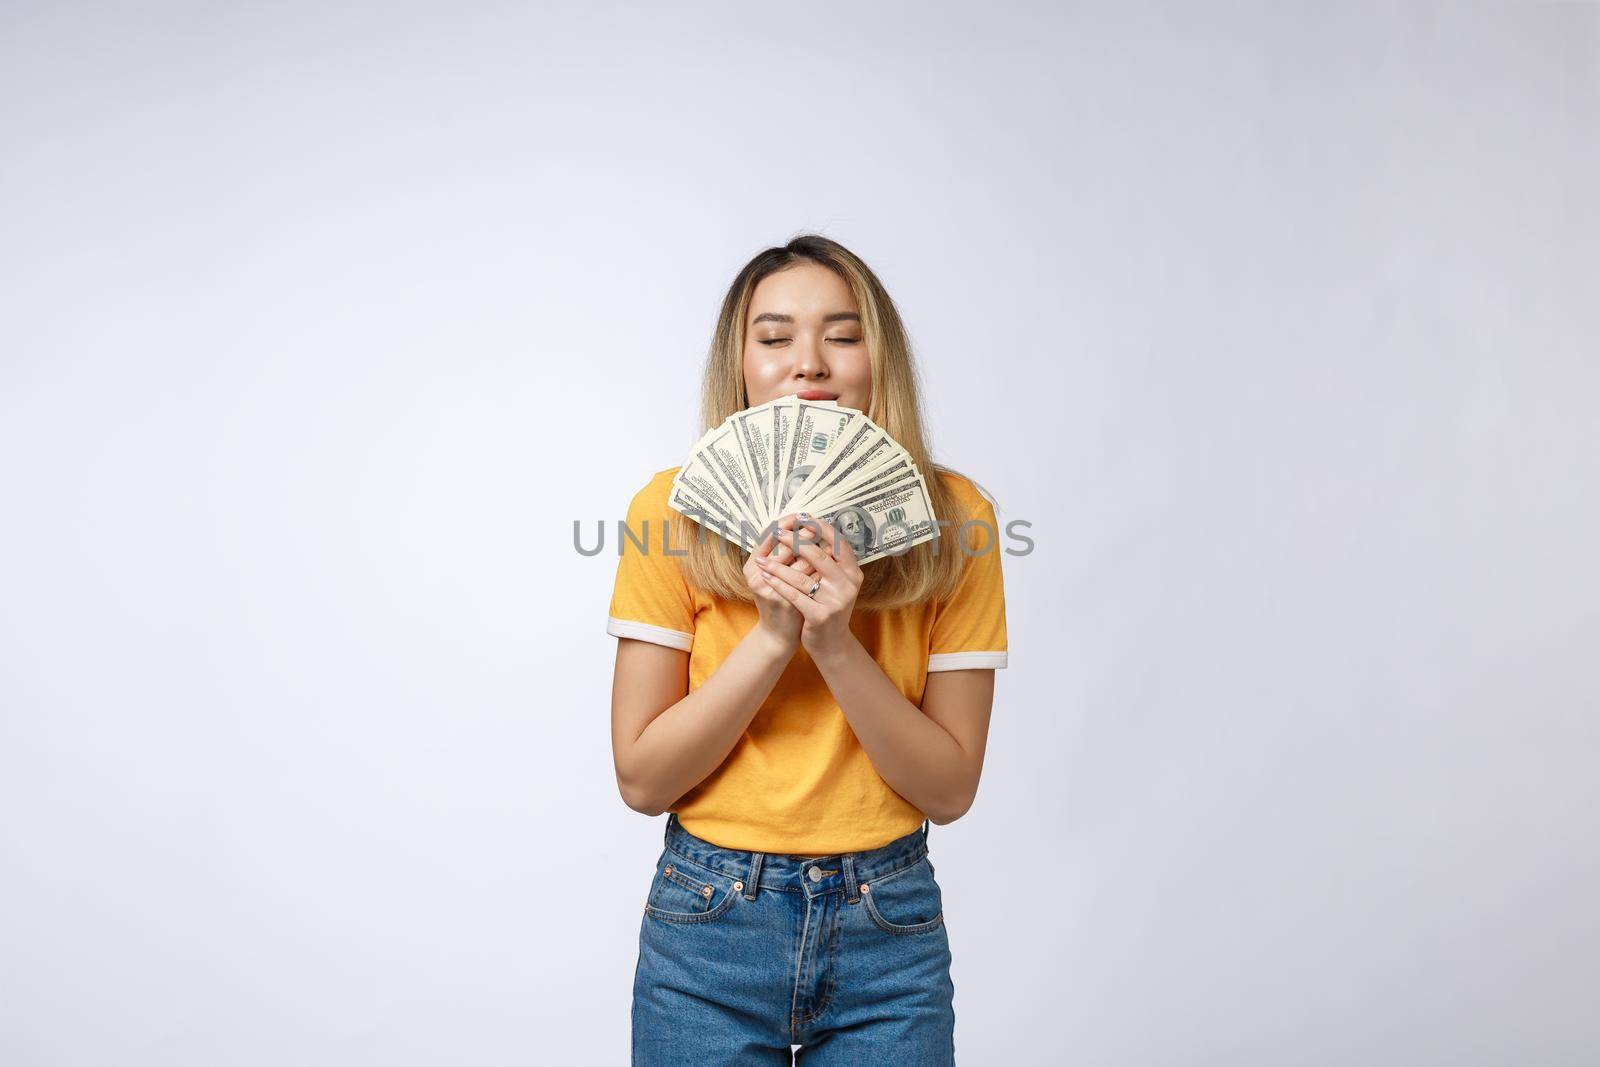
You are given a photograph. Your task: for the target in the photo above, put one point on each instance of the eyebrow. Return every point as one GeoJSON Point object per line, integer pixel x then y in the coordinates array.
{"type": "Point", "coordinates": [837, 316]}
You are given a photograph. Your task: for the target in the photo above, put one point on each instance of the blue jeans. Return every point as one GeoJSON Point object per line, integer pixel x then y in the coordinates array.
{"type": "Point", "coordinates": [743, 954]}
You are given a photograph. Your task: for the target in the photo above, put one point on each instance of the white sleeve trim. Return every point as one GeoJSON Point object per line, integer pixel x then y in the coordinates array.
{"type": "Point", "coordinates": [643, 631]}
{"type": "Point", "coordinates": [963, 661]}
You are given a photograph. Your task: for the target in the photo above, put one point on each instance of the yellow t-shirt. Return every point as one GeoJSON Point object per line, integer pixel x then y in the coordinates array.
{"type": "Point", "coordinates": [798, 780]}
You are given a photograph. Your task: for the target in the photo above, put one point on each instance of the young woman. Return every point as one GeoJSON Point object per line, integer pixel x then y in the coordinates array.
{"type": "Point", "coordinates": [802, 718]}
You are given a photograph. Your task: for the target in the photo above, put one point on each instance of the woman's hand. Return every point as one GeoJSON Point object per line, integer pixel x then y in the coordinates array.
{"type": "Point", "coordinates": [825, 614]}
{"type": "Point", "coordinates": [777, 616]}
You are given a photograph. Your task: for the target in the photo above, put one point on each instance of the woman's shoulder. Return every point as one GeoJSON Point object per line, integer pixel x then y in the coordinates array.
{"type": "Point", "coordinates": [656, 490]}
{"type": "Point", "coordinates": [972, 497]}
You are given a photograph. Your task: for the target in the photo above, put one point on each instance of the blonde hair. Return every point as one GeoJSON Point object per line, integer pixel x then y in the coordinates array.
{"type": "Point", "coordinates": [926, 572]}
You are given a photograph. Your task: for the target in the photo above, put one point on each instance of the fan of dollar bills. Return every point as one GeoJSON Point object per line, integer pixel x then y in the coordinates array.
{"type": "Point", "coordinates": [791, 455]}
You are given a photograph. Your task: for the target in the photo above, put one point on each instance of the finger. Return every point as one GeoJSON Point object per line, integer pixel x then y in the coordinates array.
{"type": "Point", "coordinates": [785, 543]}
{"type": "Point", "coordinates": [844, 549]}
{"type": "Point", "coordinates": [801, 522]}
{"type": "Point", "coordinates": [764, 591]}
{"type": "Point", "coordinates": [811, 530]}
{"type": "Point", "coordinates": [792, 531]}
{"type": "Point", "coordinates": [789, 575]}
{"type": "Point", "coordinates": [838, 543]}
{"type": "Point", "coordinates": [802, 603]}
{"type": "Point", "coordinates": [772, 599]}
{"type": "Point", "coordinates": [830, 536]}
{"type": "Point", "coordinates": [826, 565]}
{"type": "Point", "coordinates": [800, 564]}
{"type": "Point", "coordinates": [772, 545]}
{"type": "Point", "coordinates": [780, 554]}
{"type": "Point", "coordinates": [839, 548]}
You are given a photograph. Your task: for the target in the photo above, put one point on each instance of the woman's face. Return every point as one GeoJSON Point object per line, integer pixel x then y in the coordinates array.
{"type": "Point", "coordinates": [803, 336]}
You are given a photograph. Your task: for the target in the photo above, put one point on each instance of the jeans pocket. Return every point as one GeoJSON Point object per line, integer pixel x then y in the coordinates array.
{"type": "Point", "coordinates": [907, 901]}
{"type": "Point", "coordinates": [685, 892]}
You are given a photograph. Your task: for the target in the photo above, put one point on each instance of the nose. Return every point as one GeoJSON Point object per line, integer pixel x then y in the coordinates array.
{"type": "Point", "coordinates": [809, 361]}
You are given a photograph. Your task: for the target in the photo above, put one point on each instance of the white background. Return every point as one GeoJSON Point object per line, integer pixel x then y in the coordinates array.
{"type": "Point", "coordinates": [322, 323]}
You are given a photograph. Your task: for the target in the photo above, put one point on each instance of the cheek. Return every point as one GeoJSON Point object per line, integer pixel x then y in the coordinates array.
{"type": "Point", "coordinates": [758, 371]}
{"type": "Point", "coordinates": [858, 372]}
{"type": "Point", "coordinates": [761, 360]}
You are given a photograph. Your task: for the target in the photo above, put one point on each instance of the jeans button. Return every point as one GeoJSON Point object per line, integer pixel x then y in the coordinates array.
{"type": "Point", "coordinates": [816, 874]}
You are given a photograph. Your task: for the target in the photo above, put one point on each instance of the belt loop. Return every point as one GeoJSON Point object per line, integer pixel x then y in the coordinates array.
{"type": "Point", "coordinates": [852, 892]}
{"type": "Point", "coordinates": [754, 878]}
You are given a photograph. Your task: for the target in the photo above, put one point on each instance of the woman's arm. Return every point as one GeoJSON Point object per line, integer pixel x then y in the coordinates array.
{"type": "Point", "coordinates": [933, 755]}
{"type": "Point", "coordinates": [665, 739]}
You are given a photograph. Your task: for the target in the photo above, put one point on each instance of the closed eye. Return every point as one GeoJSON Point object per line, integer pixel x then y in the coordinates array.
{"type": "Point", "coordinates": [770, 341]}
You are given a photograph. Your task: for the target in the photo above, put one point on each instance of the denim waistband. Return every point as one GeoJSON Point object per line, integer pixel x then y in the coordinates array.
{"type": "Point", "coordinates": [778, 870]}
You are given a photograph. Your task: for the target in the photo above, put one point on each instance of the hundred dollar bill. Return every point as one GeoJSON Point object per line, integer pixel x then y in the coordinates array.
{"type": "Point", "coordinates": [790, 455]}
{"type": "Point", "coordinates": [889, 474]}
{"type": "Point", "coordinates": [718, 456]}
{"type": "Point", "coordinates": [862, 450]}
{"type": "Point", "coordinates": [712, 517]}
{"type": "Point", "coordinates": [818, 426]}
{"type": "Point", "coordinates": [890, 521]}
{"type": "Point", "coordinates": [703, 483]}
{"type": "Point", "coordinates": [754, 429]}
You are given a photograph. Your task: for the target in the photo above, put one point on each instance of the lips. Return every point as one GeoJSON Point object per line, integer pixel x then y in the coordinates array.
{"type": "Point", "coordinates": [817, 394]}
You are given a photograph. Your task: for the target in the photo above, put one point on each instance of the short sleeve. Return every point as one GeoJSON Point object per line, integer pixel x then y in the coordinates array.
{"type": "Point", "coordinates": [969, 629]}
{"type": "Point", "coordinates": [650, 600]}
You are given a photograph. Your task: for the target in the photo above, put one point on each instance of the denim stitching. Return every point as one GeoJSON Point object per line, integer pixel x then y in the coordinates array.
{"type": "Point", "coordinates": [913, 856]}
{"type": "Point", "coordinates": [717, 912]}
{"type": "Point", "coordinates": [825, 997]}
{"type": "Point", "coordinates": [892, 875]}
{"type": "Point", "coordinates": [892, 928]}
{"type": "Point", "coordinates": [799, 969]}
{"type": "Point", "coordinates": [897, 928]}
{"type": "Point", "coordinates": [917, 858]}
{"type": "Point", "coordinates": [714, 912]}
{"type": "Point", "coordinates": [703, 866]}
{"type": "Point", "coordinates": [671, 874]}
